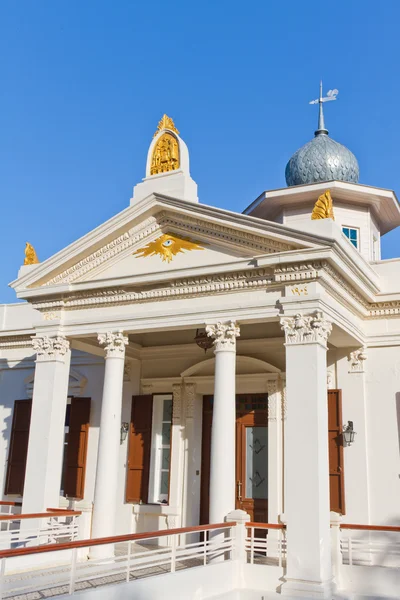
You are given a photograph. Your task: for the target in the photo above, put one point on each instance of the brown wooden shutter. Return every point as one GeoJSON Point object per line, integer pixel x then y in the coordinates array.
{"type": "Point", "coordinates": [18, 452]}
{"type": "Point", "coordinates": [336, 464]}
{"type": "Point", "coordinates": [137, 482]}
{"type": "Point", "coordinates": [74, 483]}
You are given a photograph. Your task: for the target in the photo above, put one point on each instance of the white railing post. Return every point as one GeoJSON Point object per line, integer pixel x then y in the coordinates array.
{"type": "Point", "coordinates": [73, 572]}
{"type": "Point", "coordinates": [239, 534]}
{"type": "Point", "coordinates": [335, 548]}
{"type": "Point", "coordinates": [173, 553]}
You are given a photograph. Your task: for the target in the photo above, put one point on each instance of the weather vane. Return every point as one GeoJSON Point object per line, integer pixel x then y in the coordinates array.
{"type": "Point", "coordinates": [331, 95]}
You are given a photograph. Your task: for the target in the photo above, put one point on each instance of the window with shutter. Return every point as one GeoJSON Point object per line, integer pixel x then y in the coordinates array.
{"type": "Point", "coordinates": [139, 452]}
{"type": "Point", "coordinates": [76, 448]}
{"type": "Point", "coordinates": [18, 451]}
{"type": "Point", "coordinates": [336, 463]}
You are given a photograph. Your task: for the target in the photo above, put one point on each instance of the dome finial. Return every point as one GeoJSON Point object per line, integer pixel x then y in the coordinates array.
{"type": "Point", "coordinates": [331, 95]}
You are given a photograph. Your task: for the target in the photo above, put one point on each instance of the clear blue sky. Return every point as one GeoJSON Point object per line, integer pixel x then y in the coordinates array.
{"type": "Point", "coordinates": [83, 84]}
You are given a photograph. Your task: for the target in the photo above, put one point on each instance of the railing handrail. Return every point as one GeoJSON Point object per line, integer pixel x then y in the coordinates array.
{"type": "Point", "coordinates": [369, 527]}
{"type": "Point", "coordinates": [266, 525]}
{"type": "Point", "coordinates": [64, 513]}
{"type": "Point", "coordinates": [110, 540]}
{"type": "Point", "coordinates": [9, 503]}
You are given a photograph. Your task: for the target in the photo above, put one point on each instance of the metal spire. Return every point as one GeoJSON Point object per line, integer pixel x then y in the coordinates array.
{"type": "Point", "coordinates": [331, 95]}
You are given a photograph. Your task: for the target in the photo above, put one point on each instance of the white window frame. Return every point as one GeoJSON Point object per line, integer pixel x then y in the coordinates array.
{"type": "Point", "coordinates": [357, 229]}
{"type": "Point", "coordinates": [155, 497]}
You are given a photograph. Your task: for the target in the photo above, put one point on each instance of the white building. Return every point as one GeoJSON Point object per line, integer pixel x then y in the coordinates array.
{"type": "Point", "coordinates": [110, 404]}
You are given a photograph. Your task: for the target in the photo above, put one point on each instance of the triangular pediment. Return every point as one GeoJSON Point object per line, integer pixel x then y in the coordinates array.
{"type": "Point", "coordinates": [161, 235]}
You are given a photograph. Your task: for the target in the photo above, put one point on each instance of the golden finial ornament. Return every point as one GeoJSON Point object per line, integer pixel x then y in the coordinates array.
{"type": "Point", "coordinates": [165, 155]}
{"type": "Point", "coordinates": [166, 123]}
{"type": "Point", "coordinates": [323, 208]}
{"type": "Point", "coordinates": [31, 257]}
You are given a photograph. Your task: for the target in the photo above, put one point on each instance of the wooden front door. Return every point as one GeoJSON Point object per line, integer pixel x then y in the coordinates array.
{"type": "Point", "coordinates": [251, 456]}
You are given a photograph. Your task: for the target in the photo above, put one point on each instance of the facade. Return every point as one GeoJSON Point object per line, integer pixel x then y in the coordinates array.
{"type": "Point", "coordinates": [181, 361]}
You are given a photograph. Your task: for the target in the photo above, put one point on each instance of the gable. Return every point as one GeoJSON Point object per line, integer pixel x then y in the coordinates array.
{"type": "Point", "coordinates": [124, 246]}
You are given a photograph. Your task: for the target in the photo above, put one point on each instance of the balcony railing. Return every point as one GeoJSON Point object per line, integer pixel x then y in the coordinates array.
{"type": "Point", "coordinates": [127, 557]}
{"type": "Point", "coordinates": [10, 508]}
{"type": "Point", "coordinates": [266, 543]}
{"type": "Point", "coordinates": [36, 529]}
{"type": "Point", "coordinates": [370, 545]}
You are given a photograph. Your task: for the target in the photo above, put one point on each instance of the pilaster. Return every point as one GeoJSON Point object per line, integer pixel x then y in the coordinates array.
{"type": "Point", "coordinates": [177, 451]}
{"type": "Point", "coordinates": [192, 453]}
{"type": "Point", "coordinates": [351, 366]}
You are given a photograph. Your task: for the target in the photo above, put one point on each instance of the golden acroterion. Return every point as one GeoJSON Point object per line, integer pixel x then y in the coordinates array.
{"type": "Point", "coordinates": [167, 246]}
{"type": "Point", "coordinates": [323, 208]}
{"type": "Point", "coordinates": [165, 155]}
{"type": "Point", "coordinates": [30, 255]}
{"type": "Point", "coordinates": [166, 123]}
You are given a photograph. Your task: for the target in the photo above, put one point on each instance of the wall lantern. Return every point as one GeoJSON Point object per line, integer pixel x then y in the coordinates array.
{"type": "Point", "coordinates": [124, 432]}
{"type": "Point", "coordinates": [348, 433]}
{"type": "Point", "coordinates": [203, 340]}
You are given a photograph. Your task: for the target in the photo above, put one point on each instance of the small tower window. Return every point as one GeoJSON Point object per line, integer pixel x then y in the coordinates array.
{"type": "Point", "coordinates": [352, 234]}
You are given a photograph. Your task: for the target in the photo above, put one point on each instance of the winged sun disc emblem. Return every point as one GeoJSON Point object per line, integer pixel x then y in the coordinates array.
{"type": "Point", "coordinates": [167, 246]}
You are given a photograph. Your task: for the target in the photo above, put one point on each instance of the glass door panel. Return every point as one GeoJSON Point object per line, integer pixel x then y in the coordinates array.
{"type": "Point", "coordinates": [256, 477]}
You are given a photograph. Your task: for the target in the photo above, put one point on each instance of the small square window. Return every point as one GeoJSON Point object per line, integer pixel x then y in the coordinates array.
{"type": "Point", "coordinates": [352, 235]}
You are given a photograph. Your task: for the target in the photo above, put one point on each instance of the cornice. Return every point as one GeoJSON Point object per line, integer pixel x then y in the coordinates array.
{"type": "Point", "coordinates": [182, 288]}
{"type": "Point", "coordinates": [222, 283]}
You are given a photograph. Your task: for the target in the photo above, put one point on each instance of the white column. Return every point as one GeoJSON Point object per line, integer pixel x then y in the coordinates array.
{"type": "Point", "coordinates": [46, 435]}
{"type": "Point", "coordinates": [105, 493]}
{"type": "Point", "coordinates": [307, 512]}
{"type": "Point", "coordinates": [222, 468]}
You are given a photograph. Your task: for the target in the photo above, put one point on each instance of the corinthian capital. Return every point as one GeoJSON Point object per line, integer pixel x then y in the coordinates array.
{"type": "Point", "coordinates": [114, 343]}
{"type": "Point", "coordinates": [224, 335]}
{"type": "Point", "coordinates": [50, 348]}
{"type": "Point", "coordinates": [306, 329]}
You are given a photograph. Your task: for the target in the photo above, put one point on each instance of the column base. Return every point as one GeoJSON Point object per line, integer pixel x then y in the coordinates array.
{"type": "Point", "coordinates": [300, 588]}
{"type": "Point", "coordinates": [102, 552]}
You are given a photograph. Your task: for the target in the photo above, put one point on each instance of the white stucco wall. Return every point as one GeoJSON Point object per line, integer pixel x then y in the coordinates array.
{"type": "Point", "coordinates": [346, 215]}
{"type": "Point", "coordinates": [383, 431]}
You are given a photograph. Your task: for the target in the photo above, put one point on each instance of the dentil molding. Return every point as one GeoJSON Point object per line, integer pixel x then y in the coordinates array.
{"type": "Point", "coordinates": [114, 343]}
{"type": "Point", "coordinates": [50, 348]}
{"type": "Point", "coordinates": [224, 335]}
{"type": "Point", "coordinates": [306, 329]}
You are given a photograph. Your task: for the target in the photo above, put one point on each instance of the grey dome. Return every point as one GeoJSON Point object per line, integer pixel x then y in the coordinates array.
{"type": "Point", "coordinates": [322, 159]}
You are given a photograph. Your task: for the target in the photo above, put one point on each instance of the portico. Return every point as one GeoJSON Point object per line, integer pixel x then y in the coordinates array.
{"type": "Point", "coordinates": [113, 407]}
